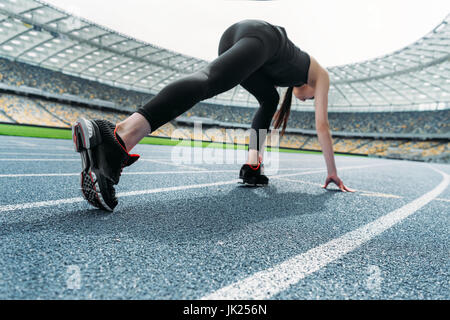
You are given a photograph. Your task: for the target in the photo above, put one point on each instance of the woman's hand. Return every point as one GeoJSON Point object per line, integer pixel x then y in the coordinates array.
{"type": "Point", "coordinates": [335, 179]}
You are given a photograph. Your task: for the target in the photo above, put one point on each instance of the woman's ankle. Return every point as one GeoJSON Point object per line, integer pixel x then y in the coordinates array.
{"type": "Point", "coordinates": [253, 157]}
{"type": "Point", "coordinates": [132, 130]}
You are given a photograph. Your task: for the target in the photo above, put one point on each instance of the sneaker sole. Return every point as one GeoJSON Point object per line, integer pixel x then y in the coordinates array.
{"type": "Point", "coordinates": [253, 182]}
{"type": "Point", "coordinates": [84, 139]}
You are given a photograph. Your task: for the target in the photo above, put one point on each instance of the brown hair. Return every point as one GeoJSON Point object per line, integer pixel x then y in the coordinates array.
{"type": "Point", "coordinates": [282, 115]}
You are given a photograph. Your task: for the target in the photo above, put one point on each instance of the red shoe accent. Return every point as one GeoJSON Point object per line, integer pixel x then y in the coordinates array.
{"type": "Point", "coordinates": [254, 168]}
{"type": "Point", "coordinates": [134, 156]}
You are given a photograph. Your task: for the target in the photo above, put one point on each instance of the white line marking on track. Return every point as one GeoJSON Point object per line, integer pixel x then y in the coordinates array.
{"type": "Point", "coordinates": [324, 170]}
{"type": "Point", "coordinates": [204, 185]}
{"type": "Point", "coordinates": [170, 163]}
{"type": "Point", "coordinates": [30, 205]}
{"type": "Point", "coordinates": [21, 206]}
{"type": "Point", "coordinates": [161, 161]}
{"type": "Point", "coordinates": [37, 154]}
{"type": "Point", "coordinates": [267, 283]}
{"type": "Point", "coordinates": [361, 192]}
{"type": "Point", "coordinates": [378, 194]}
{"type": "Point", "coordinates": [18, 145]}
{"type": "Point", "coordinates": [40, 147]}
{"type": "Point", "coordinates": [38, 159]}
{"type": "Point", "coordinates": [21, 175]}
{"type": "Point", "coordinates": [124, 194]}
{"type": "Point", "coordinates": [123, 173]}
{"type": "Point", "coordinates": [55, 154]}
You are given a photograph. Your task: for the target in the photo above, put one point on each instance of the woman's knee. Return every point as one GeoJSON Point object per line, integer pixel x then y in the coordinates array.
{"type": "Point", "coordinates": [199, 83]}
{"type": "Point", "coordinates": [213, 82]}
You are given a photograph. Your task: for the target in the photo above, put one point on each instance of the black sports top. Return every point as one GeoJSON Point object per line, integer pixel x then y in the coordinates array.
{"type": "Point", "coordinates": [290, 65]}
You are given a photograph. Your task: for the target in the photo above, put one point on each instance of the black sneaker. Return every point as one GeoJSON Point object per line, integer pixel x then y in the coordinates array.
{"type": "Point", "coordinates": [252, 176]}
{"type": "Point", "coordinates": [103, 157]}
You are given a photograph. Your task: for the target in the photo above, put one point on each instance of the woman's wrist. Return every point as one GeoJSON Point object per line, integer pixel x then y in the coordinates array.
{"type": "Point", "coordinates": [332, 173]}
{"type": "Point", "coordinates": [331, 167]}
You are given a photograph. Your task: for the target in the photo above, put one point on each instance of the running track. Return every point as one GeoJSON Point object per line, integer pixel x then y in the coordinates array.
{"type": "Point", "coordinates": [189, 231]}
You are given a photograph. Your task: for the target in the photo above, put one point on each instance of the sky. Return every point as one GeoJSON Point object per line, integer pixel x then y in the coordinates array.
{"type": "Point", "coordinates": [335, 32]}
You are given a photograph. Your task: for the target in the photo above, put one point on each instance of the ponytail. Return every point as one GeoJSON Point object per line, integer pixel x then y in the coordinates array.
{"type": "Point", "coordinates": [282, 115]}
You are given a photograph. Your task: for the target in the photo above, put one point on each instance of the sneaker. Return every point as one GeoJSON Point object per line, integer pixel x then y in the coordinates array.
{"type": "Point", "coordinates": [103, 157]}
{"type": "Point", "coordinates": [253, 176]}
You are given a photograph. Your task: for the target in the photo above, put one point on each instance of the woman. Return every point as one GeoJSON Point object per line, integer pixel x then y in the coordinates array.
{"type": "Point", "coordinates": [253, 53]}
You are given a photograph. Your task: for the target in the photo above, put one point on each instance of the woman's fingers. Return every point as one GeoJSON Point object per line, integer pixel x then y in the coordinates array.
{"type": "Point", "coordinates": [327, 182]}
{"type": "Point", "coordinates": [349, 190]}
{"type": "Point", "coordinates": [337, 182]}
{"type": "Point", "coordinates": [344, 188]}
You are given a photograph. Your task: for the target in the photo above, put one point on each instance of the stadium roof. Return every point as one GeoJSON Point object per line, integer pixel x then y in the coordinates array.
{"type": "Point", "coordinates": [31, 31]}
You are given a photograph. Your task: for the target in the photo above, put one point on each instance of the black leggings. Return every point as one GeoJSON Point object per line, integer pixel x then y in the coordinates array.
{"type": "Point", "coordinates": [239, 62]}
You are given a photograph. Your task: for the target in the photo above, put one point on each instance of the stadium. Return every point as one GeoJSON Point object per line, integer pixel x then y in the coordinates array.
{"type": "Point", "coordinates": [186, 230]}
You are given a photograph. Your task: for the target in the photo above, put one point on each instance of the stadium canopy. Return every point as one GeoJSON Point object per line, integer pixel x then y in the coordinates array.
{"type": "Point", "coordinates": [416, 77]}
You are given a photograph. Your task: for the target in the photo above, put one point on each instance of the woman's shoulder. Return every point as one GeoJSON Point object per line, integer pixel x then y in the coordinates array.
{"type": "Point", "coordinates": [315, 71]}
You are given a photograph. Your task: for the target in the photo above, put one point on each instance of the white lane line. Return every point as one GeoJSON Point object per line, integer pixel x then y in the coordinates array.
{"type": "Point", "coordinates": [22, 175]}
{"type": "Point", "coordinates": [170, 163]}
{"type": "Point", "coordinates": [324, 170]}
{"type": "Point", "coordinates": [21, 206]}
{"type": "Point", "coordinates": [377, 194]}
{"type": "Point", "coordinates": [267, 283]}
{"type": "Point", "coordinates": [361, 192]}
{"type": "Point", "coordinates": [57, 154]}
{"type": "Point", "coordinates": [15, 142]}
{"type": "Point", "coordinates": [446, 200]}
{"type": "Point", "coordinates": [37, 154]}
{"type": "Point", "coordinates": [204, 185]}
{"type": "Point", "coordinates": [18, 145]}
{"type": "Point", "coordinates": [41, 147]}
{"type": "Point", "coordinates": [26, 144]}
{"type": "Point", "coordinates": [71, 200]}
{"type": "Point", "coordinates": [149, 150]}
{"type": "Point", "coordinates": [30, 205]}
{"type": "Point", "coordinates": [38, 159]}
{"type": "Point", "coordinates": [78, 159]}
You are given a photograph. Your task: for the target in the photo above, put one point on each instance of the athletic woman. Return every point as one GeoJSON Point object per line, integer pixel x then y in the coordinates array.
{"type": "Point", "coordinates": [253, 53]}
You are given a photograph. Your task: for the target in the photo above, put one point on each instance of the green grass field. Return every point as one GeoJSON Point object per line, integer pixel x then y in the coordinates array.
{"type": "Point", "coordinates": [54, 133]}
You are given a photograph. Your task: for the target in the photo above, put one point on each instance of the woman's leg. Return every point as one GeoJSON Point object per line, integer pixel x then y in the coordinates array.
{"type": "Point", "coordinates": [231, 68]}
{"type": "Point", "coordinates": [260, 86]}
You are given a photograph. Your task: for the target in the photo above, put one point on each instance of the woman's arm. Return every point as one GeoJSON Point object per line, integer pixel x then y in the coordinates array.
{"type": "Point", "coordinates": [321, 115]}
{"type": "Point", "coordinates": [322, 86]}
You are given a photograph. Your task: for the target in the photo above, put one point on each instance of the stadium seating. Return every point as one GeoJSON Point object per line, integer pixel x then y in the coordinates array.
{"type": "Point", "coordinates": [18, 74]}
{"type": "Point", "coordinates": [41, 111]}
{"type": "Point", "coordinates": [4, 117]}
{"type": "Point", "coordinates": [70, 114]}
{"type": "Point", "coordinates": [23, 110]}
{"type": "Point", "coordinates": [417, 122]}
{"type": "Point", "coordinates": [165, 131]}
